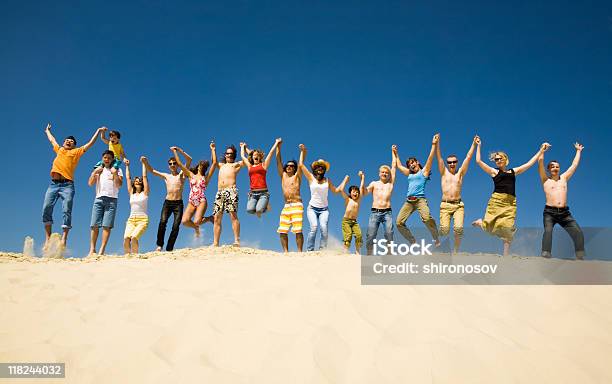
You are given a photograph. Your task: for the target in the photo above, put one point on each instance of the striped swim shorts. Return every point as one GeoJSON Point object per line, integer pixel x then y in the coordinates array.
{"type": "Point", "coordinates": [291, 217]}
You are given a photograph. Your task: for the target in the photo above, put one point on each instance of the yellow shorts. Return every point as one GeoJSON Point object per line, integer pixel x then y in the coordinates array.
{"type": "Point", "coordinates": [291, 217]}
{"type": "Point", "coordinates": [135, 227]}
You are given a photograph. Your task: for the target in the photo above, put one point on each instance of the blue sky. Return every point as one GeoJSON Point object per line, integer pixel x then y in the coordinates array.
{"type": "Point", "coordinates": [347, 79]}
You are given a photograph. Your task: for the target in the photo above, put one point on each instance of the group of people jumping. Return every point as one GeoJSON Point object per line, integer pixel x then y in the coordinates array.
{"type": "Point", "coordinates": [107, 177]}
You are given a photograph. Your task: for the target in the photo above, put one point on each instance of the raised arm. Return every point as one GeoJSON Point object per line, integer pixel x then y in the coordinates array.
{"type": "Point", "coordinates": [244, 155]}
{"type": "Point", "coordinates": [271, 153]}
{"type": "Point", "coordinates": [541, 170]}
{"type": "Point", "coordinates": [434, 144]}
{"type": "Point", "coordinates": [50, 136]}
{"type": "Point", "coordinates": [398, 163]}
{"type": "Point", "coordinates": [301, 159]}
{"type": "Point", "coordinates": [520, 169]}
{"type": "Point", "coordinates": [147, 165]}
{"type": "Point", "coordinates": [128, 176]}
{"type": "Point", "coordinates": [145, 179]}
{"type": "Point", "coordinates": [339, 188]}
{"type": "Point", "coordinates": [393, 164]}
{"type": "Point", "coordinates": [213, 165]}
{"type": "Point", "coordinates": [466, 162]}
{"type": "Point", "coordinates": [441, 166]}
{"type": "Point", "coordinates": [94, 138]}
{"type": "Point", "coordinates": [103, 137]}
{"type": "Point", "coordinates": [361, 183]}
{"type": "Point", "coordinates": [175, 152]}
{"type": "Point", "coordinates": [488, 170]}
{"type": "Point", "coordinates": [279, 160]}
{"type": "Point", "coordinates": [570, 171]}
{"type": "Point", "coordinates": [301, 165]}
{"type": "Point", "coordinates": [188, 159]}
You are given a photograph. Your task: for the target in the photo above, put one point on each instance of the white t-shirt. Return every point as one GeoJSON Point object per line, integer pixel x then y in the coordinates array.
{"type": "Point", "coordinates": [138, 204]}
{"type": "Point", "coordinates": [318, 194]}
{"type": "Point", "coordinates": [105, 185]}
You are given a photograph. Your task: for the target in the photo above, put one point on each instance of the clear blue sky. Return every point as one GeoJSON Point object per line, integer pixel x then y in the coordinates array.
{"type": "Point", "coordinates": [348, 80]}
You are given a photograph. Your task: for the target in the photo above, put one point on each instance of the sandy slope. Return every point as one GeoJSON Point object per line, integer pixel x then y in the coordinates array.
{"type": "Point", "coordinates": [247, 316]}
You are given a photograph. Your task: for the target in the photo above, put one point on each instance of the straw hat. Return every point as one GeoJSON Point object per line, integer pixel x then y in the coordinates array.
{"type": "Point", "coordinates": [320, 162]}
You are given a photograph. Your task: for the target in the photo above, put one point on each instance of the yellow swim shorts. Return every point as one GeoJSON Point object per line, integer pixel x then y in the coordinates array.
{"type": "Point", "coordinates": [291, 217]}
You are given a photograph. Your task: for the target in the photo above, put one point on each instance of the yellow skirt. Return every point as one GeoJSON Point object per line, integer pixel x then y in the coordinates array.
{"type": "Point", "coordinates": [135, 227]}
{"type": "Point", "coordinates": [500, 216]}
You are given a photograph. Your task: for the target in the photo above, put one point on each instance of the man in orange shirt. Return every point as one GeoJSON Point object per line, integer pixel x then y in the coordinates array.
{"type": "Point", "coordinates": [62, 180]}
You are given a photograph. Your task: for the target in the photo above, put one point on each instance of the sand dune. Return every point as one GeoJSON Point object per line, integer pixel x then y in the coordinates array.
{"type": "Point", "coordinates": [248, 316]}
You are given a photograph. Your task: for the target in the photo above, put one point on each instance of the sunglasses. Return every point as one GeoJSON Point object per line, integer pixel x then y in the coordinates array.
{"type": "Point", "coordinates": [498, 159]}
{"type": "Point", "coordinates": [229, 153]}
{"type": "Point", "coordinates": [172, 163]}
{"type": "Point", "coordinates": [452, 162]}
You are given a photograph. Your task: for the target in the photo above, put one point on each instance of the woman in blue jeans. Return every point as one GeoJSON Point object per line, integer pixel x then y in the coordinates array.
{"type": "Point", "coordinates": [317, 211]}
{"type": "Point", "coordinates": [258, 168]}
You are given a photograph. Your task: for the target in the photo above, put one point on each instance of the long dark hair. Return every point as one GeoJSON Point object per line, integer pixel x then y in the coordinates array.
{"type": "Point", "coordinates": [204, 164]}
{"type": "Point", "coordinates": [134, 185]}
{"type": "Point", "coordinates": [233, 150]}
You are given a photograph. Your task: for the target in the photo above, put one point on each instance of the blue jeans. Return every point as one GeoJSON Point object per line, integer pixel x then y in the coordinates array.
{"type": "Point", "coordinates": [317, 217]}
{"type": "Point", "coordinates": [103, 212]}
{"type": "Point", "coordinates": [56, 190]}
{"type": "Point", "coordinates": [257, 202]}
{"type": "Point", "coordinates": [376, 219]}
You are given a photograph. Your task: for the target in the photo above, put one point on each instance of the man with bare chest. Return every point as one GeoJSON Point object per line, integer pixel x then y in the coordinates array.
{"type": "Point", "coordinates": [226, 199]}
{"type": "Point", "coordinates": [293, 211]}
{"type": "Point", "coordinates": [173, 204]}
{"type": "Point", "coordinates": [452, 206]}
{"type": "Point", "coordinates": [556, 210]}
{"type": "Point", "coordinates": [381, 214]}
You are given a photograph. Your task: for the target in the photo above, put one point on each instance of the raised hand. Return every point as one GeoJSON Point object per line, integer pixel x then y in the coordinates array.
{"type": "Point", "coordinates": [302, 147]}
{"type": "Point", "coordinates": [102, 129]}
{"type": "Point", "coordinates": [578, 146]}
{"type": "Point", "coordinates": [174, 148]}
{"type": "Point", "coordinates": [545, 147]}
{"type": "Point", "coordinates": [48, 128]}
{"type": "Point", "coordinates": [279, 140]}
{"type": "Point", "coordinates": [126, 162]}
{"type": "Point", "coordinates": [360, 173]}
{"type": "Point", "coordinates": [476, 140]}
{"type": "Point", "coordinates": [212, 145]}
{"type": "Point", "coordinates": [143, 159]}
{"type": "Point", "coordinates": [435, 139]}
{"type": "Point", "coordinates": [394, 148]}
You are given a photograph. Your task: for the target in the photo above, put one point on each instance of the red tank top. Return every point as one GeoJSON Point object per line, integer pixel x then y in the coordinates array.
{"type": "Point", "coordinates": [257, 175]}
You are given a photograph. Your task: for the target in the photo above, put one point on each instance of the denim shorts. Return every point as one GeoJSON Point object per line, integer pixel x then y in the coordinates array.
{"type": "Point", "coordinates": [103, 212]}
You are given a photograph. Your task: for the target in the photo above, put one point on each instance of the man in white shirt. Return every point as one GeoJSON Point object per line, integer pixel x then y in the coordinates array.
{"type": "Point", "coordinates": [108, 181]}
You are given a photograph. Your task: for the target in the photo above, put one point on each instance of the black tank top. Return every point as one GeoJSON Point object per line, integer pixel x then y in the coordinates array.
{"type": "Point", "coordinates": [505, 182]}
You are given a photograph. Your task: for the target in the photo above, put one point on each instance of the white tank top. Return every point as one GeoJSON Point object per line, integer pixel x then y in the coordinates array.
{"type": "Point", "coordinates": [318, 194]}
{"type": "Point", "coordinates": [138, 204]}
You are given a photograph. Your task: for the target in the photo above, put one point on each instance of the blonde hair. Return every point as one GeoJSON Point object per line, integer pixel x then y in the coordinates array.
{"type": "Point", "coordinates": [384, 166]}
{"type": "Point", "coordinates": [502, 154]}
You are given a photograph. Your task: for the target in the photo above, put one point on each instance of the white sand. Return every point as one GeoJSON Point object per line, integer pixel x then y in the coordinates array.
{"type": "Point", "coordinates": [246, 316]}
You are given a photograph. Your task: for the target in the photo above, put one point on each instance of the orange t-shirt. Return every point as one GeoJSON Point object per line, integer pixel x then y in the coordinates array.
{"type": "Point", "coordinates": [66, 161]}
